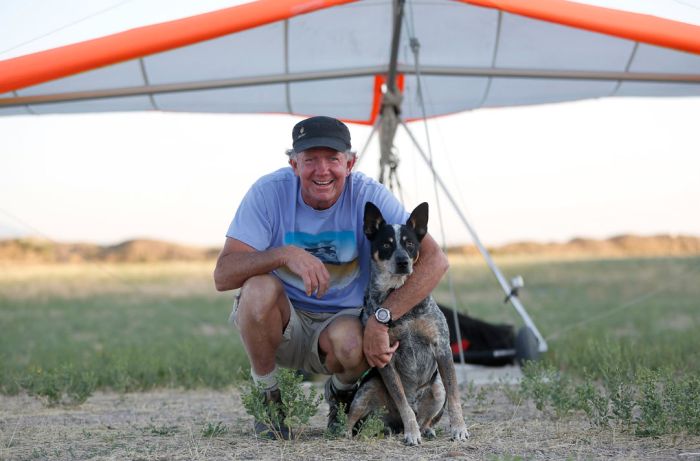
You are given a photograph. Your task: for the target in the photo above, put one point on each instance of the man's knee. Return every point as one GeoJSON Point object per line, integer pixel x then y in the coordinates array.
{"type": "Point", "coordinates": [261, 295]}
{"type": "Point", "coordinates": [343, 344]}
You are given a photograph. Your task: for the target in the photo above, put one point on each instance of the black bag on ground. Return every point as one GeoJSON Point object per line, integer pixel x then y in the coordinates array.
{"type": "Point", "coordinates": [483, 343]}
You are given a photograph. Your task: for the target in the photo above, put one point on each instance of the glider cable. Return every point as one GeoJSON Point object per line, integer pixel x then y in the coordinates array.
{"type": "Point", "coordinates": [99, 265]}
{"type": "Point", "coordinates": [415, 49]}
{"type": "Point", "coordinates": [362, 152]}
{"type": "Point", "coordinates": [505, 286]}
{"type": "Point", "coordinates": [629, 304]}
{"type": "Point", "coordinates": [688, 4]}
{"type": "Point", "coordinates": [65, 26]}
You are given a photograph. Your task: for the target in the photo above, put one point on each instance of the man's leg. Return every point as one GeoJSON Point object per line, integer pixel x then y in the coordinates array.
{"type": "Point", "coordinates": [263, 313]}
{"type": "Point", "coordinates": [341, 343]}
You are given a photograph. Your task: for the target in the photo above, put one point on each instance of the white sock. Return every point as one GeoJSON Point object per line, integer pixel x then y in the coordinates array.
{"type": "Point", "coordinates": [338, 385]}
{"type": "Point", "coordinates": [269, 381]}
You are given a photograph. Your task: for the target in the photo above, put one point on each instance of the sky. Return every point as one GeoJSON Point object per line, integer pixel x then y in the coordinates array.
{"type": "Point", "coordinates": [547, 173]}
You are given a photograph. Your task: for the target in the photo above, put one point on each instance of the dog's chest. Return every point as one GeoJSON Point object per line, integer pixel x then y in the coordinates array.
{"type": "Point", "coordinates": [415, 359]}
{"type": "Point", "coordinates": [420, 338]}
{"type": "Point", "coordinates": [417, 331]}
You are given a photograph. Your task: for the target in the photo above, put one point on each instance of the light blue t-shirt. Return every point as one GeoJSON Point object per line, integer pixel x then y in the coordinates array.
{"type": "Point", "coordinates": [273, 214]}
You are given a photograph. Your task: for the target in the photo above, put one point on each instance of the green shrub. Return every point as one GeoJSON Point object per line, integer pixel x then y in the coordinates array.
{"type": "Point", "coordinates": [372, 427]}
{"type": "Point", "coordinates": [650, 403]}
{"type": "Point", "coordinates": [297, 406]}
{"type": "Point", "coordinates": [214, 430]}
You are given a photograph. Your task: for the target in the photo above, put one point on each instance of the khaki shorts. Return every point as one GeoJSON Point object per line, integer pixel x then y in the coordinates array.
{"type": "Point", "coordinates": [299, 347]}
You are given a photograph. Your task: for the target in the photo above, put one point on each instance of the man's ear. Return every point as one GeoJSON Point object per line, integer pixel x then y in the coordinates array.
{"type": "Point", "coordinates": [373, 220]}
{"type": "Point", "coordinates": [418, 221]}
{"type": "Point", "coordinates": [351, 163]}
{"type": "Point", "coordinates": [293, 163]}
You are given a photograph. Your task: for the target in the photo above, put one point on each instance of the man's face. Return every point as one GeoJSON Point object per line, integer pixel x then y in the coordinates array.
{"type": "Point", "coordinates": [322, 172]}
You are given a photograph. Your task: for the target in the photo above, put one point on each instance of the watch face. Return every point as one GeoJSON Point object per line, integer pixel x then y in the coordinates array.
{"type": "Point", "coordinates": [383, 315]}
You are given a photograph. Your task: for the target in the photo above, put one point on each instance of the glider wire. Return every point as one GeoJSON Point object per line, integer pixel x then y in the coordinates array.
{"type": "Point", "coordinates": [688, 4]}
{"type": "Point", "coordinates": [629, 304]}
{"type": "Point", "coordinates": [65, 26]}
{"type": "Point", "coordinates": [101, 267]}
{"type": "Point", "coordinates": [363, 151]}
{"type": "Point", "coordinates": [415, 49]}
{"type": "Point", "coordinates": [24, 223]}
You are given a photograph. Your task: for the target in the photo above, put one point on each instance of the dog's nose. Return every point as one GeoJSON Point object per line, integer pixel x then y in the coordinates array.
{"type": "Point", "coordinates": [402, 264]}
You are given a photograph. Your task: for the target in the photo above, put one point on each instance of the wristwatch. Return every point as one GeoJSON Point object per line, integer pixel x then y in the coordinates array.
{"type": "Point", "coordinates": [383, 316]}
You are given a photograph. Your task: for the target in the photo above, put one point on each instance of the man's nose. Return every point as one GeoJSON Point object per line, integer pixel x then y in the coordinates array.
{"type": "Point", "coordinates": [323, 165]}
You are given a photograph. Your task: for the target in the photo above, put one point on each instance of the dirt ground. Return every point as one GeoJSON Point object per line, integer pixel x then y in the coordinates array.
{"type": "Point", "coordinates": [168, 424]}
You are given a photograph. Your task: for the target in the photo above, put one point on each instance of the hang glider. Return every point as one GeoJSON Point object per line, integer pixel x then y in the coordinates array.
{"type": "Point", "coordinates": [332, 57]}
{"type": "Point", "coordinates": [379, 62]}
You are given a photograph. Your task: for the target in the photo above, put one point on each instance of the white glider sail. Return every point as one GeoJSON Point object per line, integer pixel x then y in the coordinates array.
{"type": "Point", "coordinates": [331, 56]}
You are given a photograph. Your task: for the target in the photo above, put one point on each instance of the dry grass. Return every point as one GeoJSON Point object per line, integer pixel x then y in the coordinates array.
{"type": "Point", "coordinates": [169, 424]}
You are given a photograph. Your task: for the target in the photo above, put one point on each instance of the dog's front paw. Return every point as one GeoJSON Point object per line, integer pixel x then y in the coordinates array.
{"type": "Point", "coordinates": [429, 433]}
{"type": "Point", "coordinates": [460, 433]}
{"type": "Point", "coordinates": [411, 436]}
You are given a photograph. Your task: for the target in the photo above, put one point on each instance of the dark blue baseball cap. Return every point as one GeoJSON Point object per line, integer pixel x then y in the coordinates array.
{"type": "Point", "coordinates": [321, 131]}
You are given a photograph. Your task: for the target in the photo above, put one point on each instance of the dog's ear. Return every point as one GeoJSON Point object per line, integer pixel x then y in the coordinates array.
{"type": "Point", "coordinates": [418, 221]}
{"type": "Point", "coordinates": [373, 220]}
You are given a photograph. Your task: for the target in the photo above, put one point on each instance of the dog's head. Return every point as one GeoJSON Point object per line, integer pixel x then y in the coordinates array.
{"type": "Point", "coordinates": [395, 247]}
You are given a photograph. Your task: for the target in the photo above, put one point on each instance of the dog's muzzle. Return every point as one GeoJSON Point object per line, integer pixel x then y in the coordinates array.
{"type": "Point", "coordinates": [403, 265]}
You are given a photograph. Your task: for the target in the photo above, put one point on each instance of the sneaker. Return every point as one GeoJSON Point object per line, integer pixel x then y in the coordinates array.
{"type": "Point", "coordinates": [273, 402]}
{"type": "Point", "coordinates": [335, 398]}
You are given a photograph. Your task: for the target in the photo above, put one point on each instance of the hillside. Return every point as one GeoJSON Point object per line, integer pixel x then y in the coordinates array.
{"type": "Point", "coordinates": [39, 251]}
{"type": "Point", "coordinates": [618, 246]}
{"type": "Point", "coordinates": [33, 250]}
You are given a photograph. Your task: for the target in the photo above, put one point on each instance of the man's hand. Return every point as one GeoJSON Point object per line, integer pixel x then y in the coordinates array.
{"type": "Point", "coordinates": [307, 266]}
{"type": "Point", "coordinates": [375, 344]}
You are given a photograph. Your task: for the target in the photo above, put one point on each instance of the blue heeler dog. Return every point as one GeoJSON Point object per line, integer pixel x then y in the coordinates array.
{"type": "Point", "coordinates": [420, 380]}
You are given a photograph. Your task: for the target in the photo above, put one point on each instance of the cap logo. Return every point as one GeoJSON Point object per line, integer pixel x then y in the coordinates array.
{"type": "Point", "coordinates": [302, 133]}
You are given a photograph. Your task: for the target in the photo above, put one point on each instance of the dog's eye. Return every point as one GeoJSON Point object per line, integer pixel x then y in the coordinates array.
{"type": "Point", "coordinates": [409, 245]}
{"type": "Point", "coordinates": [386, 246]}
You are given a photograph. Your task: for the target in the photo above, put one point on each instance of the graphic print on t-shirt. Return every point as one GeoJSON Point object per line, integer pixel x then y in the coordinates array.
{"type": "Point", "coordinates": [336, 249]}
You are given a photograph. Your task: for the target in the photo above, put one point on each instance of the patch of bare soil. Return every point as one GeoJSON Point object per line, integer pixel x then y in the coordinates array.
{"type": "Point", "coordinates": [168, 425]}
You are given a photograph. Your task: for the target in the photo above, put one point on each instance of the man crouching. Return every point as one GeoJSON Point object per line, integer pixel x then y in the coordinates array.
{"type": "Point", "coordinates": [297, 251]}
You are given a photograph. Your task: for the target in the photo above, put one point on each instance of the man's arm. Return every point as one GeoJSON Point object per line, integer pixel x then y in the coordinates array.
{"type": "Point", "coordinates": [427, 272]}
{"type": "Point", "coordinates": [238, 262]}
